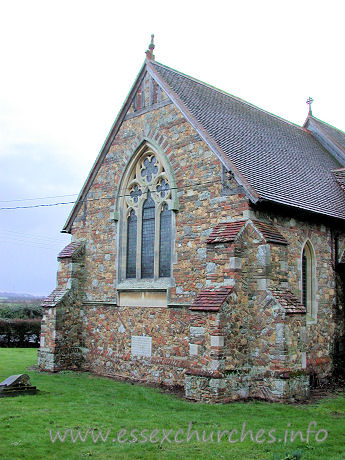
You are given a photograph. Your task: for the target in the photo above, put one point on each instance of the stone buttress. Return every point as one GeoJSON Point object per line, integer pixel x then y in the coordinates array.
{"type": "Point", "coordinates": [61, 346]}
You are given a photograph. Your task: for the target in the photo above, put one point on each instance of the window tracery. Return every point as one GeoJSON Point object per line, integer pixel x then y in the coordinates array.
{"type": "Point", "coordinates": [147, 225]}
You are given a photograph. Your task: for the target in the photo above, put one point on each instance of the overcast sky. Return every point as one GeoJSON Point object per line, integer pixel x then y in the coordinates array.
{"type": "Point", "coordinates": [67, 66]}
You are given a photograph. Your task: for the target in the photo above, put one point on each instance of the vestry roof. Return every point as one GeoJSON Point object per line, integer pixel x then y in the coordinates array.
{"type": "Point", "coordinates": [274, 160]}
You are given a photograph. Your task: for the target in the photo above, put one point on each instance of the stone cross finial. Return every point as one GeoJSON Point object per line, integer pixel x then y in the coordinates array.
{"type": "Point", "coordinates": [309, 101]}
{"type": "Point", "coordinates": [149, 52]}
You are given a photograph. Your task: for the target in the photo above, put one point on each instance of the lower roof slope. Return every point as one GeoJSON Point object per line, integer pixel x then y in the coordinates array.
{"type": "Point", "coordinates": [283, 163]}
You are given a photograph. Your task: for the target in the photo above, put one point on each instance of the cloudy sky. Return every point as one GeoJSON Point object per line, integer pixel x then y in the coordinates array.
{"type": "Point", "coordinates": [67, 66]}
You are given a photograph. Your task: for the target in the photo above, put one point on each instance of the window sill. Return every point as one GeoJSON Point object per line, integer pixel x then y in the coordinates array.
{"type": "Point", "coordinates": [145, 285]}
{"type": "Point", "coordinates": [144, 293]}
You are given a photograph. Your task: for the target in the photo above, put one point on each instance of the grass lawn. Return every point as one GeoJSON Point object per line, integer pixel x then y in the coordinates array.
{"type": "Point", "coordinates": [80, 401]}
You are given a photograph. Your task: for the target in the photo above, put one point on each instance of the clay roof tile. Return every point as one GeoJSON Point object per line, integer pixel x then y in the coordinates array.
{"type": "Point", "coordinates": [69, 250]}
{"type": "Point", "coordinates": [210, 299]}
{"type": "Point", "coordinates": [288, 300]}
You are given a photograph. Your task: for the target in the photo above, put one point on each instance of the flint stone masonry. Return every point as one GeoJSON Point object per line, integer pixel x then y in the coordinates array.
{"type": "Point", "coordinates": [226, 324]}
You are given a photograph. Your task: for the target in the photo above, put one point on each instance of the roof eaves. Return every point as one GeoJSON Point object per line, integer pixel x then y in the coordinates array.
{"type": "Point", "coordinates": [252, 194]}
{"type": "Point", "coordinates": [104, 150]}
{"type": "Point", "coordinates": [276, 202]}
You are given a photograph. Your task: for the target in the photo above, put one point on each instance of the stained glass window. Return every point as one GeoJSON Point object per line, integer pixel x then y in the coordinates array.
{"type": "Point", "coordinates": [165, 242]}
{"type": "Point", "coordinates": [304, 279]}
{"type": "Point", "coordinates": [131, 245]}
{"type": "Point", "coordinates": [308, 286]}
{"type": "Point", "coordinates": [148, 238]}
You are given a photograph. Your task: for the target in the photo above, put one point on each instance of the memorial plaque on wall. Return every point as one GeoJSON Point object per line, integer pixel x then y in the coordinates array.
{"type": "Point", "coordinates": [141, 346]}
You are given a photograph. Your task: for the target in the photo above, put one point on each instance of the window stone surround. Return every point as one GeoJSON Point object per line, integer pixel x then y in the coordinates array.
{"type": "Point", "coordinates": [132, 193]}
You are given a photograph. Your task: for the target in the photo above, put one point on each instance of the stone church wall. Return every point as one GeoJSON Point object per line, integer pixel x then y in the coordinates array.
{"type": "Point", "coordinates": [206, 196]}
{"type": "Point", "coordinates": [108, 331]}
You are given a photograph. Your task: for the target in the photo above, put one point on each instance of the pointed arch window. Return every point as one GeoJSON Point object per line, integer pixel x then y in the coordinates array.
{"type": "Point", "coordinates": [148, 198]}
{"type": "Point", "coordinates": [308, 280]}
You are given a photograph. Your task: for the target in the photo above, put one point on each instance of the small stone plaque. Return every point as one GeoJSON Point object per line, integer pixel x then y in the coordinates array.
{"type": "Point", "coordinates": [141, 346]}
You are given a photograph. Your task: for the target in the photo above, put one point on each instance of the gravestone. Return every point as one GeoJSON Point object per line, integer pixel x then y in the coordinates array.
{"type": "Point", "coordinates": [16, 385]}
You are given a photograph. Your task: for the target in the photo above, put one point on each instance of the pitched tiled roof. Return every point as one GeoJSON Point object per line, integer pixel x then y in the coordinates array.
{"type": "Point", "coordinates": [339, 175]}
{"type": "Point", "coordinates": [269, 232]}
{"type": "Point", "coordinates": [288, 301]}
{"type": "Point", "coordinates": [55, 297]}
{"type": "Point", "coordinates": [271, 158]}
{"type": "Point", "coordinates": [225, 232]}
{"type": "Point", "coordinates": [210, 299]}
{"type": "Point", "coordinates": [69, 250]}
{"type": "Point", "coordinates": [280, 161]}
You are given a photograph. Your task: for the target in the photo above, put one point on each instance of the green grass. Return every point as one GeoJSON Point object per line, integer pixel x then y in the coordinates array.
{"type": "Point", "coordinates": [81, 401]}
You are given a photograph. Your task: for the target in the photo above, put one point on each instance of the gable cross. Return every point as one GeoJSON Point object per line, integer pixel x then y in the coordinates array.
{"type": "Point", "coordinates": [309, 101]}
{"type": "Point", "coordinates": [149, 52]}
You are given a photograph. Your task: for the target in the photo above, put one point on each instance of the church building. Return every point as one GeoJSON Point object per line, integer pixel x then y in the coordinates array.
{"type": "Point", "coordinates": [207, 249]}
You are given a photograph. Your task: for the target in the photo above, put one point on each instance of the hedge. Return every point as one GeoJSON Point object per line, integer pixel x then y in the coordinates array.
{"type": "Point", "coordinates": [20, 310]}
{"type": "Point", "coordinates": [20, 332]}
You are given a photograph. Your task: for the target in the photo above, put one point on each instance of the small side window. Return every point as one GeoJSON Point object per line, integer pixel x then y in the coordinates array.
{"type": "Point", "coordinates": [308, 280]}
